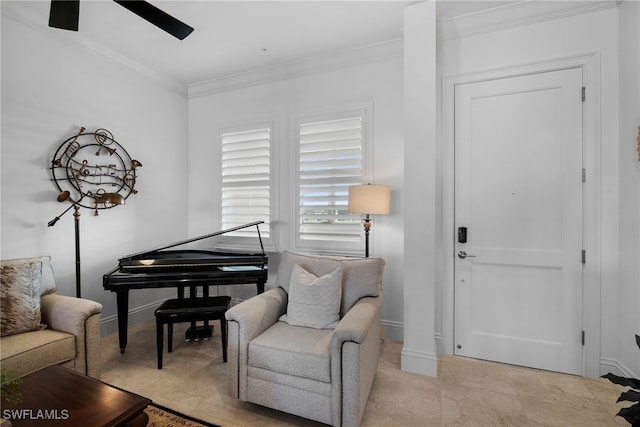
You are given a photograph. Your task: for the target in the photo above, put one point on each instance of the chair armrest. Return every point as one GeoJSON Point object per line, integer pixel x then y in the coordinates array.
{"type": "Point", "coordinates": [246, 321]}
{"type": "Point", "coordinates": [258, 313]}
{"type": "Point", "coordinates": [356, 346]}
{"type": "Point", "coordinates": [67, 314]}
{"type": "Point", "coordinates": [81, 318]}
{"type": "Point", "coordinates": [355, 325]}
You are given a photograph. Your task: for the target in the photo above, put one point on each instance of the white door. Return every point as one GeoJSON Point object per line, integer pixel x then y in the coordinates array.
{"type": "Point", "coordinates": [518, 185]}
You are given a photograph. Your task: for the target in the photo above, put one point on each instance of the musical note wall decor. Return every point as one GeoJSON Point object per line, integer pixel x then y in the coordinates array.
{"type": "Point", "coordinates": [94, 168]}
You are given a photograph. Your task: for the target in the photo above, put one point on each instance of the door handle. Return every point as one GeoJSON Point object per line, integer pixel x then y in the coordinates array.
{"type": "Point", "coordinates": [463, 255]}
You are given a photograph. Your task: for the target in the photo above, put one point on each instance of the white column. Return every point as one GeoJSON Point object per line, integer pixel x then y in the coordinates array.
{"type": "Point", "coordinates": [419, 353]}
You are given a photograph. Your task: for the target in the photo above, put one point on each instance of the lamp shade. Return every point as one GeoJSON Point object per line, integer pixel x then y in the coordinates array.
{"type": "Point", "coordinates": [369, 199]}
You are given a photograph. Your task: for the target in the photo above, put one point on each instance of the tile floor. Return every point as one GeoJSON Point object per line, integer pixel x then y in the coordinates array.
{"type": "Point", "coordinates": [467, 392]}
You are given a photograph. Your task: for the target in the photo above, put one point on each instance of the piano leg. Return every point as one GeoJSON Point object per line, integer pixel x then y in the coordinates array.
{"type": "Point", "coordinates": [260, 286]}
{"type": "Point", "coordinates": [122, 302]}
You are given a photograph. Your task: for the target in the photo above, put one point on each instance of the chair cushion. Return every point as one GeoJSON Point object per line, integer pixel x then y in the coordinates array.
{"type": "Point", "coordinates": [314, 301]}
{"type": "Point", "coordinates": [361, 277]}
{"type": "Point", "coordinates": [293, 350]}
{"type": "Point", "coordinates": [25, 353]}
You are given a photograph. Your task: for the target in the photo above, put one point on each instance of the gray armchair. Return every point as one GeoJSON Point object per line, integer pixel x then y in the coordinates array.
{"type": "Point", "coordinates": [320, 374]}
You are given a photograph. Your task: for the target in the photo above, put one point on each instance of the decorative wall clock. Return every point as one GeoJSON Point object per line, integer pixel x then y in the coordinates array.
{"type": "Point", "coordinates": [93, 170]}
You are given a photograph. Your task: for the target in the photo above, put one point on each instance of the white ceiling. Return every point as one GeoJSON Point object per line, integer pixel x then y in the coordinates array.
{"type": "Point", "coordinates": [236, 36]}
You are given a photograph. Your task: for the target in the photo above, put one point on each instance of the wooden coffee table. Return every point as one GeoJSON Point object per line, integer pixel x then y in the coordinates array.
{"type": "Point", "coordinates": [56, 396]}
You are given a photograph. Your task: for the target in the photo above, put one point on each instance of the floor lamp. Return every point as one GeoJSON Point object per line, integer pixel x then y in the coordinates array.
{"type": "Point", "coordinates": [369, 200]}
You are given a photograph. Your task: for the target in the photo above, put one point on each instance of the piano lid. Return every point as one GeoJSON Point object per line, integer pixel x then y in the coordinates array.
{"type": "Point", "coordinates": [195, 239]}
{"type": "Point", "coordinates": [193, 261]}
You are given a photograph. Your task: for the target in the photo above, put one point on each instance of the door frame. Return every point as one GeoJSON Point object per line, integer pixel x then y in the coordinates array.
{"type": "Point", "coordinates": [590, 64]}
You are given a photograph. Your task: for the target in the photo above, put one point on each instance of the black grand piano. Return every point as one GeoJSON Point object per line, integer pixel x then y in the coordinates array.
{"type": "Point", "coordinates": [162, 268]}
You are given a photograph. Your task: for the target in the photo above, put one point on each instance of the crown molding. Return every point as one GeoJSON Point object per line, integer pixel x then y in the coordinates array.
{"type": "Point", "coordinates": [27, 18]}
{"type": "Point", "coordinates": [368, 54]}
{"type": "Point", "coordinates": [515, 15]}
{"type": "Point", "coordinates": [494, 19]}
{"type": "Point", "coordinates": [498, 18]}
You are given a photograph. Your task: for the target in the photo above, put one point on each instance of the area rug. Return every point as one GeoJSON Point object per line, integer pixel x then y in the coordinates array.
{"type": "Point", "coordinates": [159, 416]}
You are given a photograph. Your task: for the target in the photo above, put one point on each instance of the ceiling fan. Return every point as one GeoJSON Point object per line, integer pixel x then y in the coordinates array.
{"type": "Point", "coordinates": [64, 14]}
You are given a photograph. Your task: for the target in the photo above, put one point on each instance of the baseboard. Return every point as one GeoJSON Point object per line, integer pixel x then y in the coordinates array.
{"type": "Point", "coordinates": [439, 344]}
{"type": "Point", "coordinates": [143, 313]}
{"type": "Point", "coordinates": [418, 362]}
{"type": "Point", "coordinates": [412, 361]}
{"type": "Point", "coordinates": [235, 301]}
{"type": "Point", "coordinates": [394, 331]}
{"type": "Point", "coordinates": [615, 367]}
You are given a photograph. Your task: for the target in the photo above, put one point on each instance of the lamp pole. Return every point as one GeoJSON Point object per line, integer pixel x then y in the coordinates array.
{"type": "Point", "coordinates": [76, 217]}
{"type": "Point", "coordinates": [367, 227]}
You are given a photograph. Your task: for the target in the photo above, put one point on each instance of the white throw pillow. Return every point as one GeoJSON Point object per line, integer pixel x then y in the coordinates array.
{"type": "Point", "coordinates": [314, 301]}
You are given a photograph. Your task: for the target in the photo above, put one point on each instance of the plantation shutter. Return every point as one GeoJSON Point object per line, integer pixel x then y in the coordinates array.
{"type": "Point", "coordinates": [330, 160]}
{"type": "Point", "coordinates": [246, 179]}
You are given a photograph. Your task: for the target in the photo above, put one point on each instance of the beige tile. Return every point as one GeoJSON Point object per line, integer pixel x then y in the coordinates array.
{"type": "Point", "coordinates": [375, 418]}
{"type": "Point", "coordinates": [607, 394]}
{"type": "Point", "coordinates": [462, 406]}
{"type": "Point", "coordinates": [389, 396]}
{"type": "Point", "coordinates": [467, 392]}
{"type": "Point", "coordinates": [551, 414]}
{"type": "Point", "coordinates": [475, 374]}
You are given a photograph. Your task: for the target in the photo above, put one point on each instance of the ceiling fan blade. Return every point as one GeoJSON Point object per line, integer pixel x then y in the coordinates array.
{"type": "Point", "coordinates": [157, 17]}
{"type": "Point", "coordinates": [64, 14]}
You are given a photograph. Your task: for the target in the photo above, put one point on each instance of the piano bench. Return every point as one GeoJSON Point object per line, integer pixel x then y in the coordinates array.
{"type": "Point", "coordinates": [180, 310]}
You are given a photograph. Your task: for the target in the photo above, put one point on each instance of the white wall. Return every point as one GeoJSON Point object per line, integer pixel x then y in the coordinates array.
{"type": "Point", "coordinates": [377, 84]}
{"type": "Point", "coordinates": [52, 85]}
{"type": "Point", "coordinates": [594, 35]}
{"type": "Point", "coordinates": [629, 232]}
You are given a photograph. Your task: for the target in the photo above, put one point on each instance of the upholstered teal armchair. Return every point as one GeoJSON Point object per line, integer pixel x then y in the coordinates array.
{"type": "Point", "coordinates": [297, 349]}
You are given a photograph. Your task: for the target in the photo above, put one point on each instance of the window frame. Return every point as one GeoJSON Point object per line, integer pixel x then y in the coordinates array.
{"type": "Point", "coordinates": [356, 247]}
{"type": "Point", "coordinates": [251, 242]}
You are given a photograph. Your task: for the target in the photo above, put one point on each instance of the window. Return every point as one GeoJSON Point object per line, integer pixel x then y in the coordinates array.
{"type": "Point", "coordinates": [246, 180]}
{"type": "Point", "coordinates": [331, 158]}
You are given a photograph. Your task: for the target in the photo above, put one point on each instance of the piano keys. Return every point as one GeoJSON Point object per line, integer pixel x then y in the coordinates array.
{"type": "Point", "coordinates": [161, 268]}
